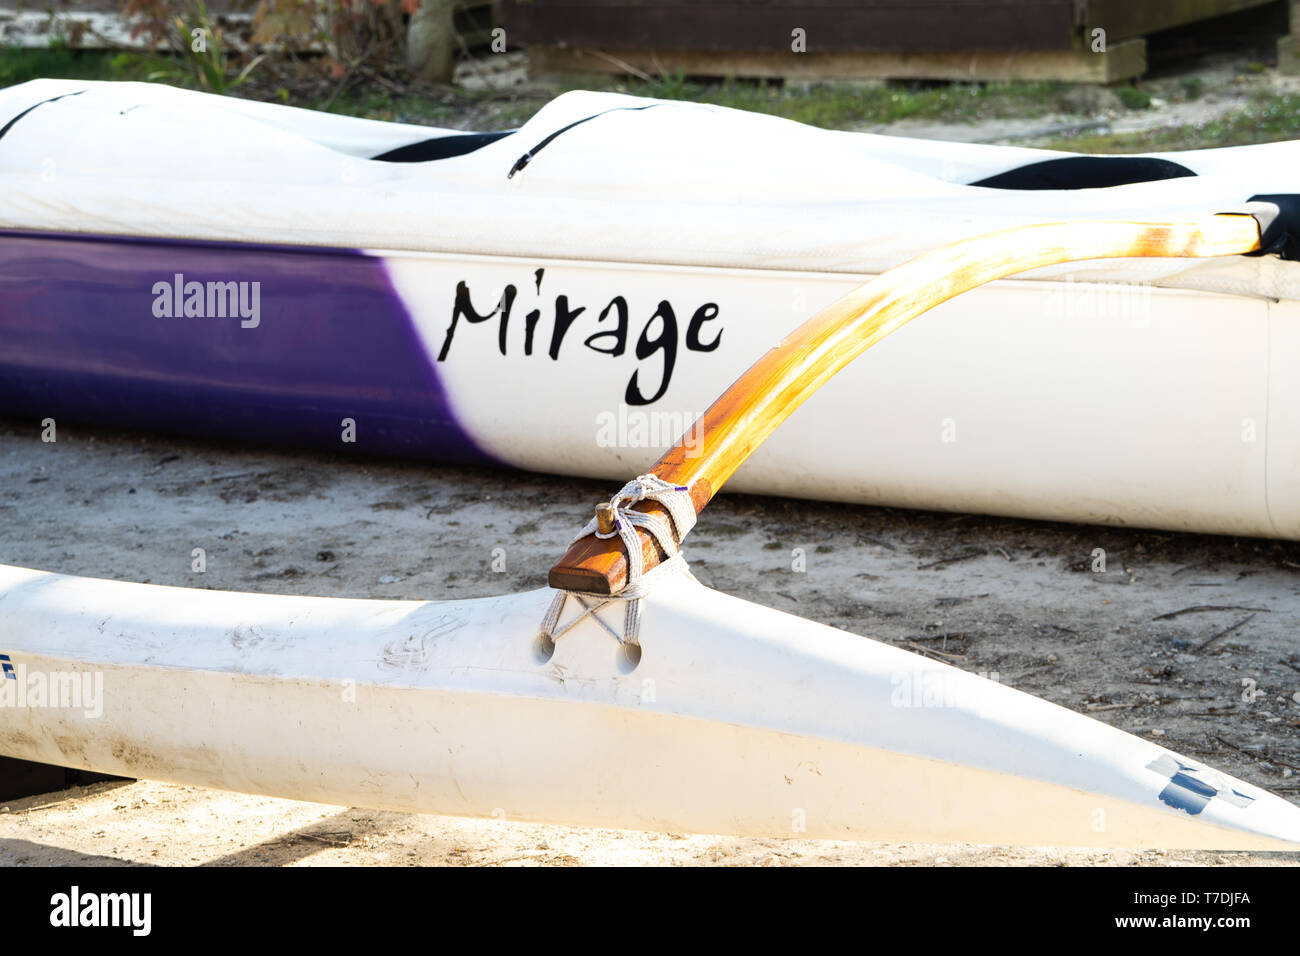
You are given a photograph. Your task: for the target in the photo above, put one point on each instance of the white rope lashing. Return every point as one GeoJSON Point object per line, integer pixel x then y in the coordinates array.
{"type": "Point", "coordinates": [668, 533]}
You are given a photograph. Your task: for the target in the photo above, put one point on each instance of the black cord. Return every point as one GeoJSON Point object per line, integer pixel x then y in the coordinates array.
{"type": "Point", "coordinates": [9, 125]}
{"type": "Point", "coordinates": [527, 158]}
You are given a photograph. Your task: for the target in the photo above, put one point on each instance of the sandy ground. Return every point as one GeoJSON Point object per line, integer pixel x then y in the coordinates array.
{"type": "Point", "coordinates": [1017, 598]}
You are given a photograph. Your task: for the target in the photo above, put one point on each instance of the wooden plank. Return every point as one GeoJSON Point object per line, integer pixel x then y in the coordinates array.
{"type": "Point", "coordinates": [1127, 18]}
{"type": "Point", "coordinates": [735, 25]}
{"type": "Point", "coordinates": [771, 390]}
{"type": "Point", "coordinates": [1122, 61]}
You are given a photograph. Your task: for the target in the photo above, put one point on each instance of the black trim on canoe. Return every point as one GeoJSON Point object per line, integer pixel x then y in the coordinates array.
{"type": "Point", "coordinates": [440, 147]}
{"type": "Point", "coordinates": [527, 158]}
{"type": "Point", "coordinates": [1086, 172]}
{"type": "Point", "coordinates": [10, 125]}
{"type": "Point", "coordinates": [1279, 231]}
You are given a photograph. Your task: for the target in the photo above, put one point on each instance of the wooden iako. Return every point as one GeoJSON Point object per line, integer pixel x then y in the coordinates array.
{"type": "Point", "coordinates": [779, 382]}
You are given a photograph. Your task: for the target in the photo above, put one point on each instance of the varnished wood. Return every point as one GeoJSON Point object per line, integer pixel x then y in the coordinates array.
{"type": "Point", "coordinates": [1124, 60]}
{"type": "Point", "coordinates": [599, 564]}
{"type": "Point", "coordinates": [779, 382]}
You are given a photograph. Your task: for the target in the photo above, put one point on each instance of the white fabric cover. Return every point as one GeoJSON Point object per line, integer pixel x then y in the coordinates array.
{"type": "Point", "coordinates": [680, 183]}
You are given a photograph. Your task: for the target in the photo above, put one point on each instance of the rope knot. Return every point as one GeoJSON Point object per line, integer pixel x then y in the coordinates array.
{"type": "Point", "coordinates": [667, 532]}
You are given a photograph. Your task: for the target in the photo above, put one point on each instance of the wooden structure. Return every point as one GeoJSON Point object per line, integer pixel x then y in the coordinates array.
{"type": "Point", "coordinates": [852, 39]}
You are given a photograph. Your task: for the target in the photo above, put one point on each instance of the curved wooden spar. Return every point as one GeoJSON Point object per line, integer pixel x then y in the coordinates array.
{"type": "Point", "coordinates": [779, 382]}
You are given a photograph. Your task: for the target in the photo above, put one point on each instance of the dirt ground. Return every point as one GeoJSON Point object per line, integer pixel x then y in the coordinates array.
{"type": "Point", "coordinates": [1186, 638]}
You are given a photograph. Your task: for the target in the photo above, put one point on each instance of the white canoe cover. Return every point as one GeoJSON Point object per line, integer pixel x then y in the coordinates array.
{"type": "Point", "coordinates": [644, 181]}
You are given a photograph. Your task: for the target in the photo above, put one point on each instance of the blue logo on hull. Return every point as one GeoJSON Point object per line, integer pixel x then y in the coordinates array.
{"type": "Point", "coordinates": [1191, 789]}
{"type": "Point", "coordinates": [8, 668]}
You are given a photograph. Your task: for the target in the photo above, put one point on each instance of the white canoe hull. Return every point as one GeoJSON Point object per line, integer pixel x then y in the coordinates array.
{"type": "Point", "coordinates": [737, 719]}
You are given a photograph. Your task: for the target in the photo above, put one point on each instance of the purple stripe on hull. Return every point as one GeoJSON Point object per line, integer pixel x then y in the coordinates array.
{"type": "Point", "coordinates": [80, 339]}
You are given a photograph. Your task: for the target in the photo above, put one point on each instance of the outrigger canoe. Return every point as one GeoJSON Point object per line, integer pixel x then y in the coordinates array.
{"type": "Point", "coordinates": [187, 263]}
{"type": "Point", "coordinates": [626, 694]}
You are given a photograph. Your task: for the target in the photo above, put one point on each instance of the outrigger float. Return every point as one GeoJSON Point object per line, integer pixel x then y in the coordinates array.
{"type": "Point", "coordinates": [627, 694]}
